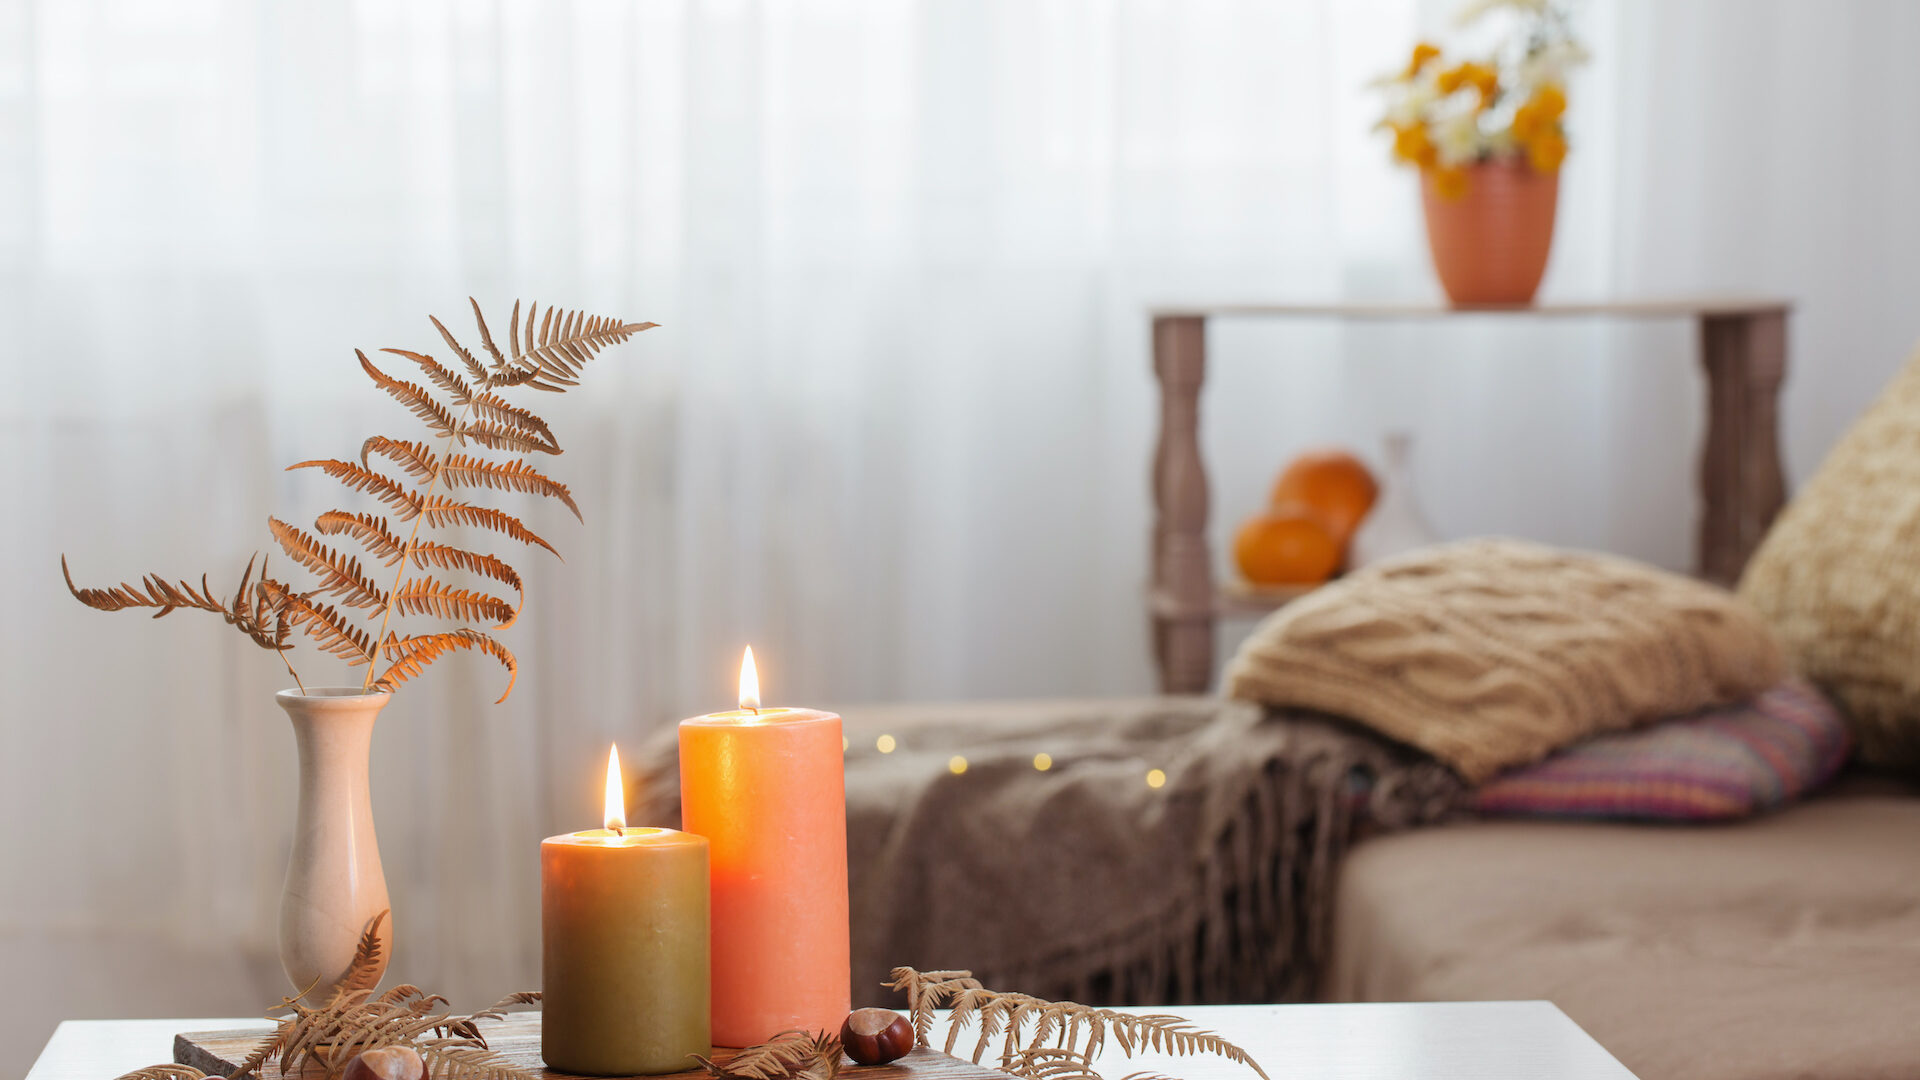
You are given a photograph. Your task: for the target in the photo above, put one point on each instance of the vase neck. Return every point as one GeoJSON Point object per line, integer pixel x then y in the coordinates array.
{"type": "Point", "coordinates": [333, 730]}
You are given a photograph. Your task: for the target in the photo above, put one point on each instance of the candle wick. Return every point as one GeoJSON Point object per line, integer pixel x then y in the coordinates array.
{"type": "Point", "coordinates": [618, 830]}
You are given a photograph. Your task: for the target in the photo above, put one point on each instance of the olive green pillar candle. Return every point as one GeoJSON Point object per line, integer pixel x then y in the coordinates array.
{"type": "Point", "coordinates": [625, 952]}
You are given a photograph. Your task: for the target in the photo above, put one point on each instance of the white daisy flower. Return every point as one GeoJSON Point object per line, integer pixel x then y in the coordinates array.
{"type": "Point", "coordinates": [1412, 106]}
{"type": "Point", "coordinates": [1457, 139]}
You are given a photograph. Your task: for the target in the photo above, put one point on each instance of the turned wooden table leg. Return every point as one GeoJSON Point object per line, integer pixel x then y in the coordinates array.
{"type": "Point", "coordinates": [1182, 592]}
{"type": "Point", "coordinates": [1742, 485]}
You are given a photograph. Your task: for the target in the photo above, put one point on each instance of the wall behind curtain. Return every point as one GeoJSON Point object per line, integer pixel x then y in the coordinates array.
{"type": "Point", "coordinates": [894, 427]}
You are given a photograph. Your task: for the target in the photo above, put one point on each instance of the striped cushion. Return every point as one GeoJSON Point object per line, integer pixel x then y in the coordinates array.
{"type": "Point", "coordinates": [1726, 762]}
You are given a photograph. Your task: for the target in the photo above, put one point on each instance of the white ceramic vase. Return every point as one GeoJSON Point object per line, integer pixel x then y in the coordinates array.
{"type": "Point", "coordinates": [1396, 524]}
{"type": "Point", "coordinates": [335, 887]}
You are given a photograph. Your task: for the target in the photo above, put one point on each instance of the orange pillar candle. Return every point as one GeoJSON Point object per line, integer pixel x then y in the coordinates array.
{"type": "Point", "coordinates": [624, 947]}
{"type": "Point", "coordinates": [767, 788]}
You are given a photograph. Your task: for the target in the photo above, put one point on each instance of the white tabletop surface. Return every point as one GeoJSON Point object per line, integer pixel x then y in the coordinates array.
{"type": "Point", "coordinates": [1467, 1040]}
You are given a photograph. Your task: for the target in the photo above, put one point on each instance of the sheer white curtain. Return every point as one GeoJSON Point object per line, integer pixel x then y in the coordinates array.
{"type": "Point", "coordinates": [894, 427]}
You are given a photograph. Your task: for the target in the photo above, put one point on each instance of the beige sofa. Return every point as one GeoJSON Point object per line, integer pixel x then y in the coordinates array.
{"type": "Point", "coordinates": [1787, 946]}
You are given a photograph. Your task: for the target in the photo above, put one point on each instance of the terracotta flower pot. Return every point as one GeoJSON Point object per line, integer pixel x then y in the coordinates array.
{"type": "Point", "coordinates": [1490, 245]}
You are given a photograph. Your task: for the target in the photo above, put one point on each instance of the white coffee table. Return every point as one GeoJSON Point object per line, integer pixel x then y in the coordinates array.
{"type": "Point", "coordinates": [1468, 1040]}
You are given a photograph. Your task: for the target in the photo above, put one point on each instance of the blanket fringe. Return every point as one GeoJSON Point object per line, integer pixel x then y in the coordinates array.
{"type": "Point", "coordinates": [1257, 925]}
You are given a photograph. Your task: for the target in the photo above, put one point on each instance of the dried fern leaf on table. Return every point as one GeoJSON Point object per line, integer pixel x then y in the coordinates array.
{"type": "Point", "coordinates": [1057, 1028]}
{"type": "Point", "coordinates": [322, 1040]}
{"type": "Point", "coordinates": [790, 1055]}
{"type": "Point", "coordinates": [547, 351]}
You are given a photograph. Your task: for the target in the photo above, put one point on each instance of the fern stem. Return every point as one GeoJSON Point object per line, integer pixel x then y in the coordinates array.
{"type": "Point", "coordinates": [295, 674]}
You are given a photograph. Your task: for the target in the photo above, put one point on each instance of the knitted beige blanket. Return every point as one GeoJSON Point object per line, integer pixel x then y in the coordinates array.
{"type": "Point", "coordinates": [1082, 880]}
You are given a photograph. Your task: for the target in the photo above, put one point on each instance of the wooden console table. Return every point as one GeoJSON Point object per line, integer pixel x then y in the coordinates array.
{"type": "Point", "coordinates": [1743, 346]}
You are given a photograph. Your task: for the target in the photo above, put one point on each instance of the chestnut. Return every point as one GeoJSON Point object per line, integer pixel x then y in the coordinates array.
{"type": "Point", "coordinates": [386, 1063]}
{"type": "Point", "coordinates": [876, 1036]}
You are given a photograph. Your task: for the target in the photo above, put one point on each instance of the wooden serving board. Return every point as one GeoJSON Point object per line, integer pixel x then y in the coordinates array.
{"type": "Point", "coordinates": [517, 1038]}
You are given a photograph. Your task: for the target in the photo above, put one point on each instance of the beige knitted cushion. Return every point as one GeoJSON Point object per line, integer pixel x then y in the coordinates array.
{"type": "Point", "coordinates": [1492, 653]}
{"type": "Point", "coordinates": [1839, 576]}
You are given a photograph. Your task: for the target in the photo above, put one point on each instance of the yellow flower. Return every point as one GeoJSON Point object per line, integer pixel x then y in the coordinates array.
{"type": "Point", "coordinates": [1547, 150]}
{"type": "Point", "coordinates": [1484, 79]}
{"type": "Point", "coordinates": [1422, 53]}
{"type": "Point", "coordinates": [1411, 144]}
{"type": "Point", "coordinates": [1527, 123]}
{"type": "Point", "coordinates": [1550, 100]}
{"type": "Point", "coordinates": [1480, 77]}
{"type": "Point", "coordinates": [1450, 182]}
{"type": "Point", "coordinates": [1540, 115]}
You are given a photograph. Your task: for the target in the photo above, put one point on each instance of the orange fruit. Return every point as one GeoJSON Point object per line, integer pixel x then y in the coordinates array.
{"type": "Point", "coordinates": [1287, 545]}
{"type": "Point", "coordinates": [1334, 484]}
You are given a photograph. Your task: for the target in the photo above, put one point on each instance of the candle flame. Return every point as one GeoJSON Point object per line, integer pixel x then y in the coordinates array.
{"type": "Point", "coordinates": [749, 683]}
{"type": "Point", "coordinates": [616, 813]}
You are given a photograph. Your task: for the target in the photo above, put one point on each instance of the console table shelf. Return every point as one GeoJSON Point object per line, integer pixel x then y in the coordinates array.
{"type": "Point", "coordinates": [1743, 349]}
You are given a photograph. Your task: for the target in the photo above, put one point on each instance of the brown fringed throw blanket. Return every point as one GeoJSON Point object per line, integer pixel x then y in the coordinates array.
{"type": "Point", "coordinates": [1082, 881]}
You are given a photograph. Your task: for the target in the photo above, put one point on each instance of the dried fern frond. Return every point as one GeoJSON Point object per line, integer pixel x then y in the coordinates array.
{"type": "Point", "coordinates": [450, 384]}
{"type": "Point", "coordinates": [1055, 1064]}
{"type": "Point", "coordinates": [500, 365]}
{"type": "Point", "coordinates": [470, 414]}
{"type": "Point", "coordinates": [790, 1055]}
{"type": "Point", "coordinates": [518, 373]}
{"type": "Point", "coordinates": [370, 529]}
{"type": "Point", "coordinates": [927, 991]}
{"type": "Point", "coordinates": [774, 1059]}
{"type": "Point", "coordinates": [1055, 1025]}
{"type": "Point", "coordinates": [447, 557]}
{"type": "Point", "coordinates": [417, 400]}
{"type": "Point", "coordinates": [1049, 1063]}
{"type": "Point", "coordinates": [423, 595]}
{"type": "Point", "coordinates": [360, 478]}
{"type": "Point", "coordinates": [440, 510]}
{"type": "Point", "coordinates": [256, 621]}
{"type": "Point", "coordinates": [498, 1010]}
{"type": "Point", "coordinates": [1167, 1034]}
{"type": "Point", "coordinates": [153, 591]}
{"type": "Point", "coordinates": [462, 470]}
{"type": "Point", "coordinates": [459, 1062]}
{"type": "Point", "coordinates": [325, 625]}
{"type": "Point", "coordinates": [497, 436]}
{"type": "Point", "coordinates": [363, 971]}
{"type": "Point", "coordinates": [415, 458]}
{"type": "Point", "coordinates": [257, 612]}
{"type": "Point", "coordinates": [339, 574]}
{"type": "Point", "coordinates": [564, 345]}
{"type": "Point", "coordinates": [827, 1056]}
{"type": "Point", "coordinates": [468, 1027]}
{"type": "Point", "coordinates": [399, 1017]}
{"type": "Point", "coordinates": [271, 1043]}
{"type": "Point", "coordinates": [408, 656]}
{"type": "Point", "coordinates": [493, 407]}
{"type": "Point", "coordinates": [310, 1030]}
{"type": "Point", "coordinates": [353, 1022]}
{"type": "Point", "coordinates": [474, 371]}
